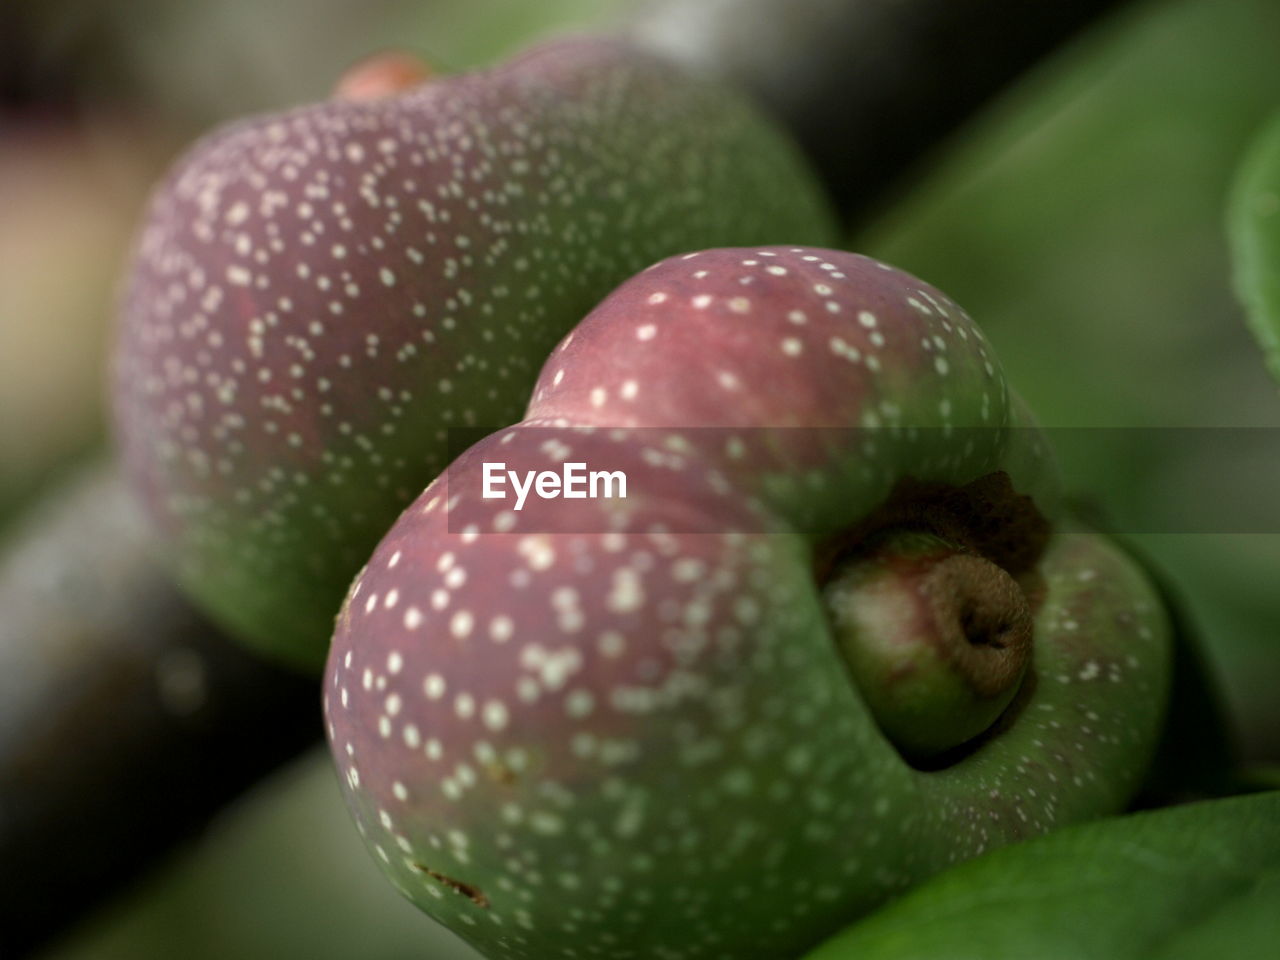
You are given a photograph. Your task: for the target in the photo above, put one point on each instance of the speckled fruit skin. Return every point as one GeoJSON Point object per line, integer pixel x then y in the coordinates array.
{"type": "Point", "coordinates": [590, 731]}
{"type": "Point", "coordinates": [318, 296]}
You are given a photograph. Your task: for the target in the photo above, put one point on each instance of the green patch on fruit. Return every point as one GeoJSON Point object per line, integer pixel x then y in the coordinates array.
{"type": "Point", "coordinates": [1254, 227]}
{"type": "Point", "coordinates": [1198, 881]}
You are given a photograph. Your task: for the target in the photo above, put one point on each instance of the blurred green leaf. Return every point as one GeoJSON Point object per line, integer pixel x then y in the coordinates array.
{"type": "Point", "coordinates": [1253, 220]}
{"type": "Point", "coordinates": [1202, 880]}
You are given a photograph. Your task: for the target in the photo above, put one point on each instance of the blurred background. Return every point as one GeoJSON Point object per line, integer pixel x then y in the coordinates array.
{"type": "Point", "coordinates": [1079, 220]}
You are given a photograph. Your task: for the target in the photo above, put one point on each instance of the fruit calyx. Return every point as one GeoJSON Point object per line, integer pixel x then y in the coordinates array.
{"type": "Point", "coordinates": [932, 610]}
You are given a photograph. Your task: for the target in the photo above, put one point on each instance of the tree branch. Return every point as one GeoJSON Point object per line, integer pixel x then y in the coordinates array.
{"type": "Point", "coordinates": [867, 87]}
{"type": "Point", "coordinates": [126, 721]}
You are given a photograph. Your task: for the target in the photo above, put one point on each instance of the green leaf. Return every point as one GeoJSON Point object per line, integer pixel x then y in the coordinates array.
{"type": "Point", "coordinates": [1190, 882]}
{"type": "Point", "coordinates": [1254, 227]}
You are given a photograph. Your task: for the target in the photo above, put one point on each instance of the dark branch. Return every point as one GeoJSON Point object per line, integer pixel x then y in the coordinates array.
{"type": "Point", "coordinates": [868, 87]}
{"type": "Point", "coordinates": [126, 721]}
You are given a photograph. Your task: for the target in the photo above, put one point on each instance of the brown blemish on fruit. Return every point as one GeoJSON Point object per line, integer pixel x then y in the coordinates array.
{"type": "Point", "coordinates": [474, 894]}
{"type": "Point", "coordinates": [501, 773]}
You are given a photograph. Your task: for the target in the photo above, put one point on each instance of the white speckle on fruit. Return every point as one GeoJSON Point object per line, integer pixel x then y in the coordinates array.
{"type": "Point", "coordinates": [626, 594]}
{"type": "Point", "coordinates": [461, 623]}
{"type": "Point", "coordinates": [495, 715]}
